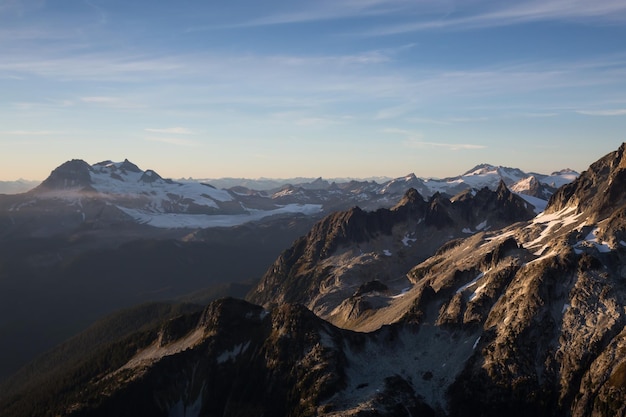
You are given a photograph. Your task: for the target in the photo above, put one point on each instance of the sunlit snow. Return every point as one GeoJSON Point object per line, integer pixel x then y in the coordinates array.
{"type": "Point", "coordinates": [469, 284]}
{"type": "Point", "coordinates": [591, 240]}
{"type": "Point", "coordinates": [402, 293]}
{"type": "Point", "coordinates": [539, 204]}
{"type": "Point", "coordinates": [180, 409]}
{"type": "Point", "coordinates": [476, 343]}
{"type": "Point", "coordinates": [481, 225]}
{"type": "Point", "coordinates": [110, 180]}
{"type": "Point", "coordinates": [233, 353]}
{"type": "Point", "coordinates": [407, 240]}
{"type": "Point", "coordinates": [177, 221]}
{"type": "Point", "coordinates": [552, 222]}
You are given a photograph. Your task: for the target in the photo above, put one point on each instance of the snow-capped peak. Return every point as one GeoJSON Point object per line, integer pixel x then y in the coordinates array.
{"type": "Point", "coordinates": [559, 178]}
{"type": "Point", "coordinates": [525, 184]}
{"type": "Point", "coordinates": [480, 169]}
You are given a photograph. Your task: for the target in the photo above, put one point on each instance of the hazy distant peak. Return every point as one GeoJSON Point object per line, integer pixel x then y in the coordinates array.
{"type": "Point", "coordinates": [17, 186]}
{"type": "Point", "coordinates": [125, 165]}
{"type": "Point", "coordinates": [507, 173]}
{"type": "Point", "coordinates": [105, 163]}
{"type": "Point", "coordinates": [566, 171]}
{"type": "Point", "coordinates": [480, 169]}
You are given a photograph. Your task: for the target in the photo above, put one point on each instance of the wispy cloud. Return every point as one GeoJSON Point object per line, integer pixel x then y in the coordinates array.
{"type": "Point", "coordinates": [490, 13]}
{"type": "Point", "coordinates": [256, 84]}
{"type": "Point", "coordinates": [19, 7]}
{"type": "Point", "coordinates": [364, 58]}
{"type": "Point", "coordinates": [115, 102]}
{"type": "Point", "coordinates": [534, 10]}
{"type": "Point", "coordinates": [415, 140]}
{"type": "Point", "coordinates": [427, 120]}
{"type": "Point", "coordinates": [323, 10]}
{"type": "Point", "coordinates": [30, 132]}
{"type": "Point", "coordinates": [307, 119]}
{"type": "Point", "coordinates": [120, 66]}
{"type": "Point", "coordinates": [609, 112]}
{"type": "Point", "coordinates": [100, 12]}
{"type": "Point", "coordinates": [447, 121]}
{"type": "Point", "coordinates": [314, 121]}
{"type": "Point", "coordinates": [71, 65]}
{"type": "Point", "coordinates": [430, 14]}
{"type": "Point", "coordinates": [398, 131]}
{"type": "Point", "coordinates": [100, 99]}
{"type": "Point", "coordinates": [394, 112]}
{"type": "Point", "coordinates": [449, 146]}
{"type": "Point", "coordinates": [315, 82]}
{"type": "Point", "coordinates": [171, 130]}
{"type": "Point", "coordinates": [164, 136]}
{"type": "Point", "coordinates": [172, 141]}
{"type": "Point", "coordinates": [468, 119]}
{"type": "Point", "coordinates": [534, 115]}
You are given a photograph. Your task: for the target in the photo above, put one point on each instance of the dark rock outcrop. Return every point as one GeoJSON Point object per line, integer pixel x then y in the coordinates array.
{"type": "Point", "coordinates": [72, 174]}
{"type": "Point", "coordinates": [149, 176]}
{"type": "Point", "coordinates": [129, 166]}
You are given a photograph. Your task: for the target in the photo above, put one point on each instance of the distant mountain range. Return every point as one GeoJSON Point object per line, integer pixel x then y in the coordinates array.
{"type": "Point", "coordinates": [268, 184]}
{"type": "Point", "coordinates": [459, 306]}
{"type": "Point", "coordinates": [109, 193]}
{"type": "Point", "coordinates": [17, 186]}
{"type": "Point", "coordinates": [139, 228]}
{"type": "Point", "coordinates": [510, 175]}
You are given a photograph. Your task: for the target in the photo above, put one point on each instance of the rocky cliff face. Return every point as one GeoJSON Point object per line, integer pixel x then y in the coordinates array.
{"type": "Point", "coordinates": [353, 263]}
{"type": "Point", "coordinates": [599, 190]}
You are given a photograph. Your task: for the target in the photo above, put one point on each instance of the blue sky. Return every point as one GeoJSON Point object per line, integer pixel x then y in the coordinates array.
{"type": "Point", "coordinates": [352, 88]}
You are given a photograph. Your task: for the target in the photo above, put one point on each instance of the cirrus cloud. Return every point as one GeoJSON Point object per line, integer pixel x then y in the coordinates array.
{"type": "Point", "coordinates": [449, 146]}
{"type": "Point", "coordinates": [607, 112]}
{"type": "Point", "coordinates": [171, 130]}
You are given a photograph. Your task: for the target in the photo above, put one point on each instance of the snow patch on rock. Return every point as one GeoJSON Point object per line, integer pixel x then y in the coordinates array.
{"type": "Point", "coordinates": [233, 353]}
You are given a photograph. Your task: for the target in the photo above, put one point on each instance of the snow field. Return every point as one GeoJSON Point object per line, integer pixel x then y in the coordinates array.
{"type": "Point", "coordinates": [429, 360]}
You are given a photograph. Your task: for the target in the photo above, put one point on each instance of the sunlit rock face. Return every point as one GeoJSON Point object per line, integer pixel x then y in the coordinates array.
{"type": "Point", "coordinates": [354, 263]}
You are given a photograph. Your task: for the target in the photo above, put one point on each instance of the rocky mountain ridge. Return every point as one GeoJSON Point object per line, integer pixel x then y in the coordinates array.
{"type": "Point", "coordinates": [109, 193]}
{"type": "Point", "coordinates": [352, 261]}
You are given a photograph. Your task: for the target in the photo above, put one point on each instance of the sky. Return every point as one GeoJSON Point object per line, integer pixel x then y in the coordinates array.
{"type": "Point", "coordinates": [331, 88]}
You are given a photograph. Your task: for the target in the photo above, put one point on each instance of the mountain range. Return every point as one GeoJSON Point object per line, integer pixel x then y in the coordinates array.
{"type": "Point", "coordinates": [17, 186]}
{"type": "Point", "coordinates": [479, 302]}
{"type": "Point", "coordinates": [109, 193]}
